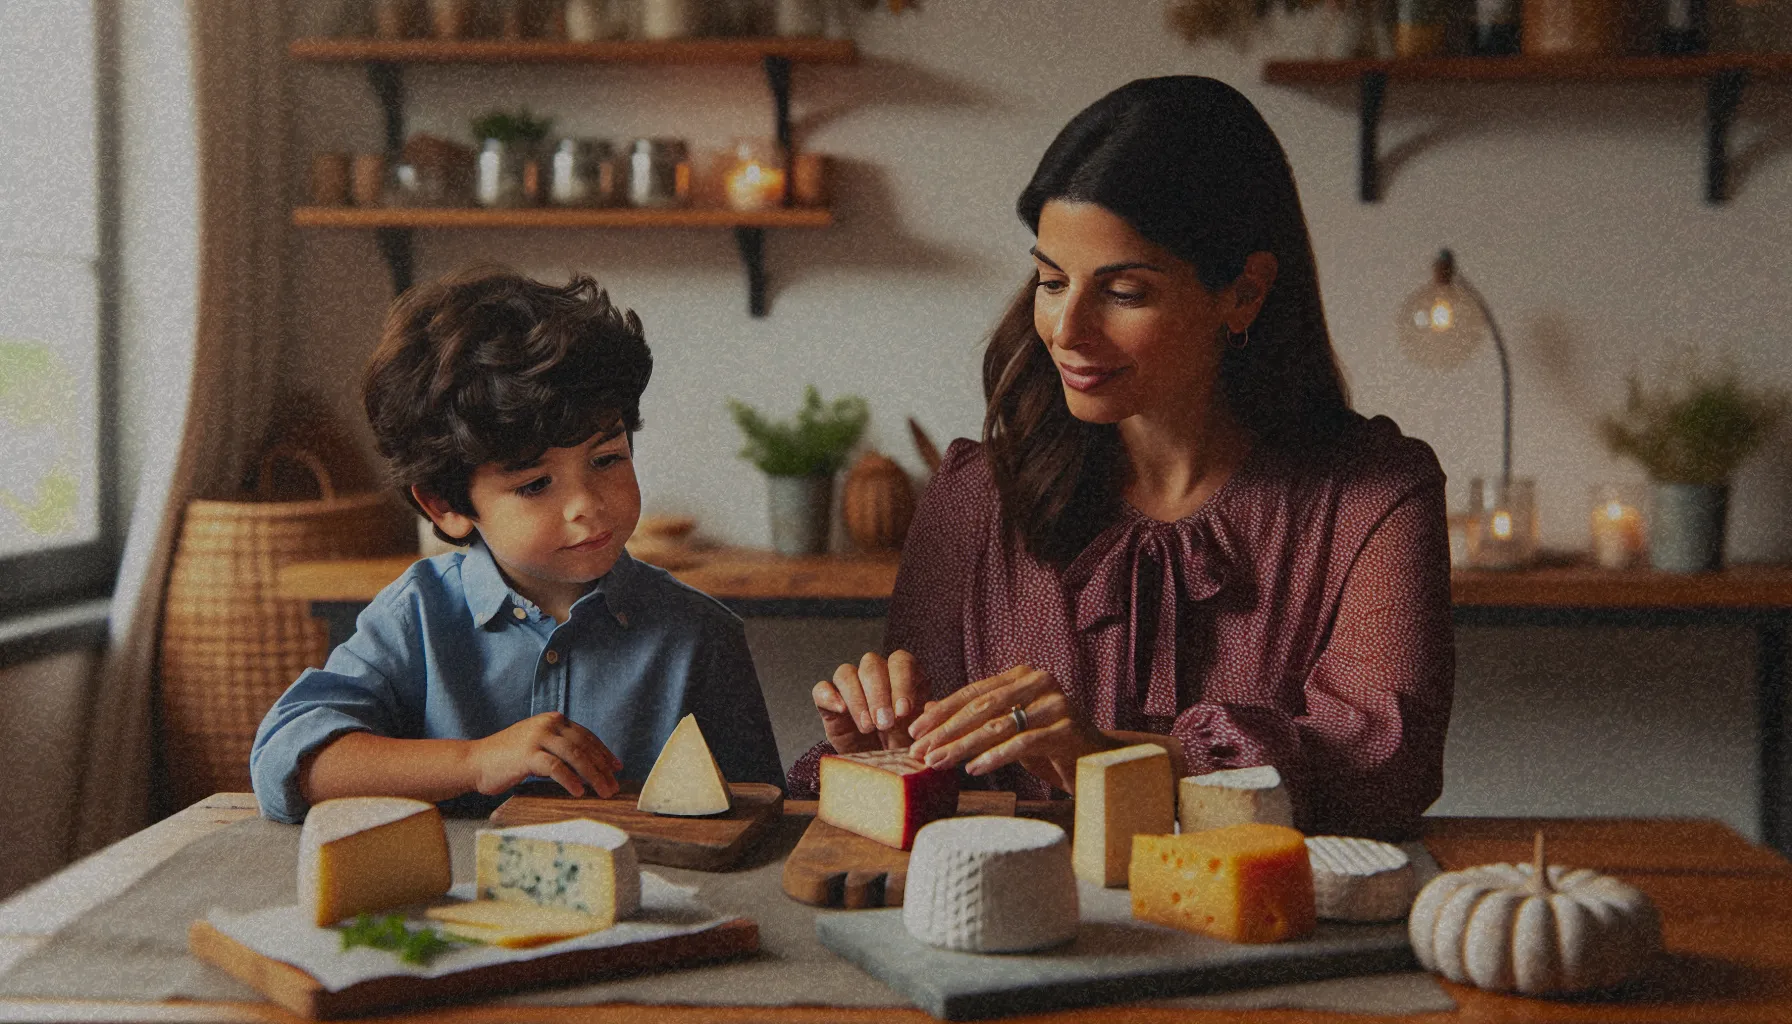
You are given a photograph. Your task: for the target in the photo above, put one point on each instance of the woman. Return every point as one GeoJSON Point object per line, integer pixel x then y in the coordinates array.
{"type": "Point", "coordinates": [1175, 530]}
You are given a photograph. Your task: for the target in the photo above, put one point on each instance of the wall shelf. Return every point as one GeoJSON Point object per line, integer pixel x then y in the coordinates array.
{"type": "Point", "coordinates": [1725, 76]}
{"type": "Point", "coordinates": [385, 60]}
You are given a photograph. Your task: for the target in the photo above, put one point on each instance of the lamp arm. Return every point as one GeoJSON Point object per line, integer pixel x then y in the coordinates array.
{"type": "Point", "coordinates": [1499, 345]}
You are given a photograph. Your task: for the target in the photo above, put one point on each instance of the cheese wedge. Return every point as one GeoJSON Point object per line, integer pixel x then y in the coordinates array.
{"type": "Point", "coordinates": [685, 780]}
{"type": "Point", "coordinates": [1360, 879]}
{"type": "Point", "coordinates": [991, 885]}
{"type": "Point", "coordinates": [513, 925]}
{"type": "Point", "coordinates": [885, 795]}
{"type": "Point", "coordinates": [1234, 796]}
{"type": "Point", "coordinates": [1119, 794]}
{"type": "Point", "coordinates": [581, 865]}
{"type": "Point", "coordinates": [1243, 883]}
{"type": "Point", "coordinates": [366, 854]}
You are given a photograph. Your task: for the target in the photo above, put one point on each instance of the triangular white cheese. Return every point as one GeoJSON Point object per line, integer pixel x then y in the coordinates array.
{"type": "Point", "coordinates": [685, 779]}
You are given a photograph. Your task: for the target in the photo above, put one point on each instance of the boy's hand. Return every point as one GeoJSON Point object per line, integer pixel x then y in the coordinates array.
{"type": "Point", "coordinates": [869, 706]}
{"type": "Point", "coordinates": [548, 744]}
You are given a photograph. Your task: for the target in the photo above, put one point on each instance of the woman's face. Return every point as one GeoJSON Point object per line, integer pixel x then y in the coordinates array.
{"type": "Point", "coordinates": [1130, 326]}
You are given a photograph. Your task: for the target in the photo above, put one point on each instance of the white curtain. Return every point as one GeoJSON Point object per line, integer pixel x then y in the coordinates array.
{"type": "Point", "coordinates": [202, 182]}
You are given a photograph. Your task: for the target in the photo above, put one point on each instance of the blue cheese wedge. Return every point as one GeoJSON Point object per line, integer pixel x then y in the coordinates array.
{"type": "Point", "coordinates": [1360, 879]}
{"type": "Point", "coordinates": [579, 865]}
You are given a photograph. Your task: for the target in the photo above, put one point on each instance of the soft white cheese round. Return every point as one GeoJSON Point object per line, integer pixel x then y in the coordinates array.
{"type": "Point", "coordinates": [1360, 879]}
{"type": "Point", "coordinates": [990, 885]}
{"type": "Point", "coordinates": [1233, 796]}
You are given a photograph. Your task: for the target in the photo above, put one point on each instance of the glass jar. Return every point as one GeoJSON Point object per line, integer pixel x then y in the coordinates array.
{"type": "Point", "coordinates": [659, 173]}
{"type": "Point", "coordinates": [753, 175]}
{"type": "Point", "coordinates": [509, 174]}
{"type": "Point", "coordinates": [582, 172]}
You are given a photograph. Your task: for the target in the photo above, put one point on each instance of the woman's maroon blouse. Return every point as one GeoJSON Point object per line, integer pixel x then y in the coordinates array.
{"type": "Point", "coordinates": [1299, 618]}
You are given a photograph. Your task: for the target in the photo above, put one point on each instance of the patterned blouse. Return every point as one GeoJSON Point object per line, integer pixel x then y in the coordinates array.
{"type": "Point", "coordinates": [1299, 618]}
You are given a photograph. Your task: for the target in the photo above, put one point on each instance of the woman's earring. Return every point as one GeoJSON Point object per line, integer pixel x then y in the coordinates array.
{"type": "Point", "coordinates": [1239, 340]}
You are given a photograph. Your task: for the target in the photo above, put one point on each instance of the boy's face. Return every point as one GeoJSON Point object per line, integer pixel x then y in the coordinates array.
{"type": "Point", "coordinates": [554, 525]}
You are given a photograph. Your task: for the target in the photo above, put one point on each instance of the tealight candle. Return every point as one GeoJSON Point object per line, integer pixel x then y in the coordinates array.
{"type": "Point", "coordinates": [1617, 528]}
{"type": "Point", "coordinates": [1503, 534]}
{"type": "Point", "coordinates": [754, 181]}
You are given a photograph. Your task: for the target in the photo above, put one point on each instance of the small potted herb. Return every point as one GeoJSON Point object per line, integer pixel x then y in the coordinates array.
{"type": "Point", "coordinates": [800, 457]}
{"type": "Point", "coordinates": [510, 152]}
{"type": "Point", "coordinates": [1690, 439]}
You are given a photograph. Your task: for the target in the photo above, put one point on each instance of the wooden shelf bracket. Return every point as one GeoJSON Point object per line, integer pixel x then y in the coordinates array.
{"type": "Point", "coordinates": [1374, 87]}
{"type": "Point", "coordinates": [752, 253]}
{"type": "Point", "coordinates": [396, 244]}
{"type": "Point", "coordinates": [1723, 94]}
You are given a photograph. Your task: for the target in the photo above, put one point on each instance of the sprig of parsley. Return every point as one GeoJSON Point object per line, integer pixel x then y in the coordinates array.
{"type": "Point", "coordinates": [418, 946]}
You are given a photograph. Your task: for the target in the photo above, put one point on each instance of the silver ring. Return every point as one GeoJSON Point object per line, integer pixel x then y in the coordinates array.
{"type": "Point", "coordinates": [1019, 714]}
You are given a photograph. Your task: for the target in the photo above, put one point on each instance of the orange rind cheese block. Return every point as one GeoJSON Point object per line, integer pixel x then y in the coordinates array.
{"type": "Point", "coordinates": [1243, 883]}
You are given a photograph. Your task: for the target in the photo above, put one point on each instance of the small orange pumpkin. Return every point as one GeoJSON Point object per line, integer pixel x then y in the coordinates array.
{"type": "Point", "coordinates": [878, 502]}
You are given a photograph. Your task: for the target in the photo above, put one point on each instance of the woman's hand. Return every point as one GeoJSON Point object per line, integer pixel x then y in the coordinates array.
{"type": "Point", "coordinates": [869, 706]}
{"type": "Point", "coordinates": [550, 745]}
{"type": "Point", "coordinates": [977, 724]}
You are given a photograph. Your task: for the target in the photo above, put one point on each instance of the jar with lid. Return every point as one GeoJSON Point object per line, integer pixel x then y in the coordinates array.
{"type": "Point", "coordinates": [582, 172]}
{"type": "Point", "coordinates": [659, 173]}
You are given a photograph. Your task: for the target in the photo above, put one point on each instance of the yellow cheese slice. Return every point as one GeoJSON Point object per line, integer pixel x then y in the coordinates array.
{"type": "Point", "coordinates": [685, 779]}
{"type": "Point", "coordinates": [366, 854]}
{"type": "Point", "coordinates": [1119, 794]}
{"type": "Point", "coordinates": [1242, 883]}
{"type": "Point", "coordinates": [513, 925]}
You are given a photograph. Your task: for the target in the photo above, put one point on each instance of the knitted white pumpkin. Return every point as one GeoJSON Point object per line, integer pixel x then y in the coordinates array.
{"type": "Point", "coordinates": [1533, 929]}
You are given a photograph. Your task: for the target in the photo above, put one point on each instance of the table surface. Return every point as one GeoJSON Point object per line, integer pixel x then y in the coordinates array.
{"type": "Point", "coordinates": [751, 574]}
{"type": "Point", "coordinates": [1726, 907]}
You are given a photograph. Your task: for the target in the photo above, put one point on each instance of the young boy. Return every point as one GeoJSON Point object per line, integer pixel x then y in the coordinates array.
{"type": "Point", "coordinates": [505, 409]}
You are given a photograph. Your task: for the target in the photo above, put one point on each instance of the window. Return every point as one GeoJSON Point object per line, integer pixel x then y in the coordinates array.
{"type": "Point", "coordinates": [56, 539]}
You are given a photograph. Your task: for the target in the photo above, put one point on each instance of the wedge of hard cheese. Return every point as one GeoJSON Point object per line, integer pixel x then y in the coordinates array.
{"type": "Point", "coordinates": [1119, 794]}
{"type": "Point", "coordinates": [1244, 883]}
{"type": "Point", "coordinates": [1360, 879]}
{"type": "Point", "coordinates": [580, 865]}
{"type": "Point", "coordinates": [1234, 796]}
{"type": "Point", "coordinates": [885, 795]}
{"type": "Point", "coordinates": [365, 854]}
{"type": "Point", "coordinates": [513, 925]}
{"type": "Point", "coordinates": [685, 780]}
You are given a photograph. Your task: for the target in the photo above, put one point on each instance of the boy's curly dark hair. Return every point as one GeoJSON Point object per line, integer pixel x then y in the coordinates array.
{"type": "Point", "coordinates": [490, 366]}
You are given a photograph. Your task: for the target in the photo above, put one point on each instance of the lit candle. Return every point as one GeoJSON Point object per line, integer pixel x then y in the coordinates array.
{"type": "Point", "coordinates": [1617, 535]}
{"type": "Point", "coordinates": [1502, 525]}
{"type": "Point", "coordinates": [754, 186]}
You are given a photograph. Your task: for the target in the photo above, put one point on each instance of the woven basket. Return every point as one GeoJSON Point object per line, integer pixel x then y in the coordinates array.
{"type": "Point", "coordinates": [230, 647]}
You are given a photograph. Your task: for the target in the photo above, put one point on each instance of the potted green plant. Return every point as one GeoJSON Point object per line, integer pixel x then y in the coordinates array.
{"type": "Point", "coordinates": [1690, 439]}
{"type": "Point", "coordinates": [799, 457]}
{"type": "Point", "coordinates": [510, 146]}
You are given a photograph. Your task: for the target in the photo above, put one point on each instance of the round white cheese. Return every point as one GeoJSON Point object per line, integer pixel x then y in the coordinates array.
{"type": "Point", "coordinates": [1360, 879]}
{"type": "Point", "coordinates": [990, 885]}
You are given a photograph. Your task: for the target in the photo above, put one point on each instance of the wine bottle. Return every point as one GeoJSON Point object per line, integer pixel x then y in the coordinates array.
{"type": "Point", "coordinates": [1496, 28]}
{"type": "Point", "coordinates": [1684, 28]}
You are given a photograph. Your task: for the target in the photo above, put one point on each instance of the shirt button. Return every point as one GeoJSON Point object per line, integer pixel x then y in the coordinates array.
{"type": "Point", "coordinates": [553, 657]}
{"type": "Point", "coordinates": [519, 613]}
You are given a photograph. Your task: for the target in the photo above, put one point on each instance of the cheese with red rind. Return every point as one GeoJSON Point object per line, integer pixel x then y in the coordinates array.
{"type": "Point", "coordinates": [885, 795]}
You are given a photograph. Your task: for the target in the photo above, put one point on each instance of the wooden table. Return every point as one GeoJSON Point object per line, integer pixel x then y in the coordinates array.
{"type": "Point", "coordinates": [842, 586]}
{"type": "Point", "coordinates": [1726, 906]}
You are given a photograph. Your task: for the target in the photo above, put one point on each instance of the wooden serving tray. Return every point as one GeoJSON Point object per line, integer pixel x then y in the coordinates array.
{"type": "Point", "coordinates": [299, 992]}
{"type": "Point", "coordinates": [704, 844]}
{"type": "Point", "coordinates": [832, 867]}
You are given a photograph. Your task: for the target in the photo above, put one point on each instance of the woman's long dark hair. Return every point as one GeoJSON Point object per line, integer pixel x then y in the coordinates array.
{"type": "Point", "coordinates": [1191, 166]}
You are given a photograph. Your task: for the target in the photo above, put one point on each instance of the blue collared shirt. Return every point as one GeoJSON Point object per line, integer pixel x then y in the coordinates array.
{"type": "Point", "coordinates": [450, 651]}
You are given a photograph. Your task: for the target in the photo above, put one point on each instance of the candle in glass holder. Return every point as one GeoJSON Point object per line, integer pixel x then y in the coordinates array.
{"type": "Point", "coordinates": [1503, 534]}
{"type": "Point", "coordinates": [1617, 527]}
{"type": "Point", "coordinates": [754, 181]}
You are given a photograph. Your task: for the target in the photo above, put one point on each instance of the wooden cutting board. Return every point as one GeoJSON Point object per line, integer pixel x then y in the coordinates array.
{"type": "Point", "coordinates": [299, 992]}
{"type": "Point", "coordinates": [705, 844]}
{"type": "Point", "coordinates": [832, 867]}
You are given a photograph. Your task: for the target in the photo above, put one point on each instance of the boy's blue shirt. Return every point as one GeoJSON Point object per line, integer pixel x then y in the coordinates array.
{"type": "Point", "coordinates": [450, 651]}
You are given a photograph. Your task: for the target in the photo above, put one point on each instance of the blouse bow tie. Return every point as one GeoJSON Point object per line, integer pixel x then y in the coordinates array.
{"type": "Point", "coordinates": [1144, 576]}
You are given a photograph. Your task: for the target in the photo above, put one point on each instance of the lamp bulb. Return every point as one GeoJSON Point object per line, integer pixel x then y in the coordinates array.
{"type": "Point", "coordinates": [1440, 325]}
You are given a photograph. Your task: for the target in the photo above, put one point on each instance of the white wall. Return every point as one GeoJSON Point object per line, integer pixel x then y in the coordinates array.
{"type": "Point", "coordinates": [1576, 209]}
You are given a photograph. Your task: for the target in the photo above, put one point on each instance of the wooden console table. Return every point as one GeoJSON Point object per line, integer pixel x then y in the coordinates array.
{"type": "Point", "coordinates": [760, 583]}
